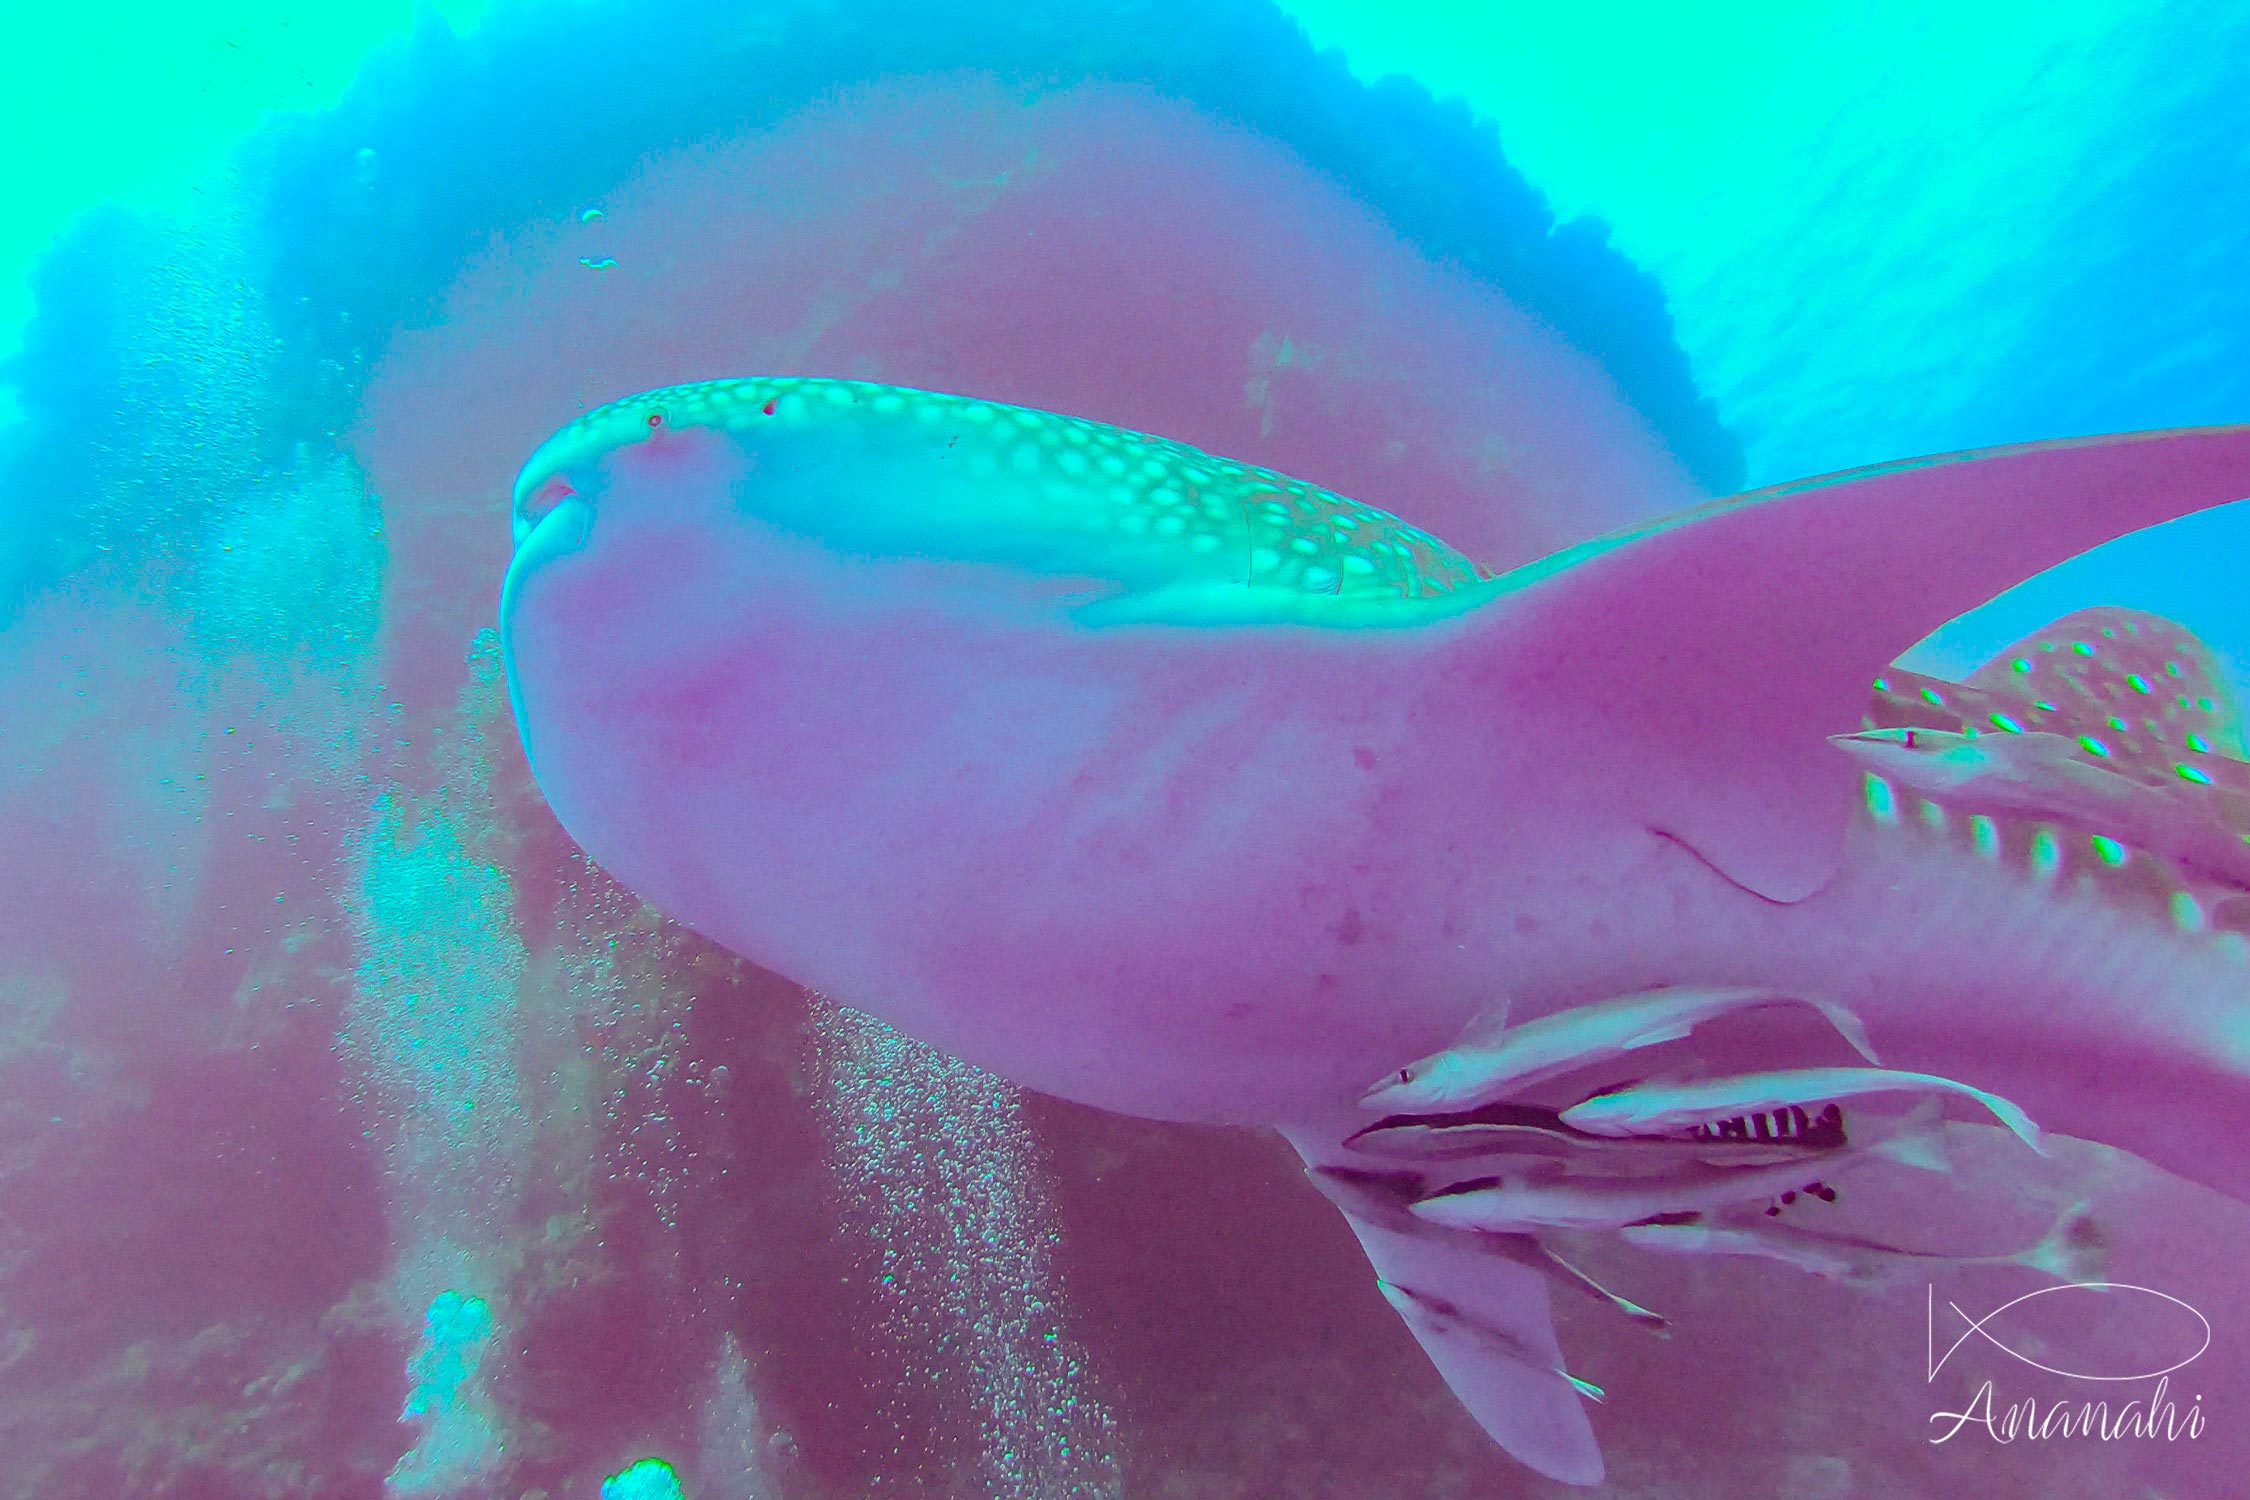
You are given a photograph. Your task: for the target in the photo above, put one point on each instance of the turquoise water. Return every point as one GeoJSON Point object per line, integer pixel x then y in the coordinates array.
{"type": "Point", "coordinates": [363, 1138]}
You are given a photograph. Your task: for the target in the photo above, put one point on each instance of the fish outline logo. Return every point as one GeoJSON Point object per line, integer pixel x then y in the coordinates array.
{"type": "Point", "coordinates": [1980, 1328]}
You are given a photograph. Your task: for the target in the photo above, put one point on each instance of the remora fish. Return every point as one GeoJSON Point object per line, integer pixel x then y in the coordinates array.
{"type": "Point", "coordinates": [1664, 1108]}
{"type": "Point", "coordinates": [1527, 1203]}
{"type": "Point", "coordinates": [1491, 1060]}
{"type": "Point", "coordinates": [2039, 774]}
{"type": "Point", "coordinates": [2073, 1248]}
{"type": "Point", "coordinates": [1184, 788]}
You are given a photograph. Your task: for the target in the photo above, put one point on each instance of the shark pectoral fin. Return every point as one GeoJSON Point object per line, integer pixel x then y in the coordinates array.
{"type": "Point", "coordinates": [1696, 666]}
{"type": "Point", "coordinates": [1479, 1307]}
{"type": "Point", "coordinates": [1485, 1322]}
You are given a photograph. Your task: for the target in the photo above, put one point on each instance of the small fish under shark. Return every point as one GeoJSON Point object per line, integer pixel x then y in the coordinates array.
{"type": "Point", "coordinates": [1599, 896]}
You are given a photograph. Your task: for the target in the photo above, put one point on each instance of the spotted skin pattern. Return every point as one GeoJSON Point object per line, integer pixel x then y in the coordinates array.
{"type": "Point", "coordinates": [1162, 508]}
{"type": "Point", "coordinates": [2142, 699]}
{"type": "Point", "coordinates": [2153, 687]}
{"type": "Point", "coordinates": [889, 692]}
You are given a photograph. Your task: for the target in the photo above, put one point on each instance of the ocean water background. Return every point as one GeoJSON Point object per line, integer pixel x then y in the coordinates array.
{"type": "Point", "coordinates": [357, 1138]}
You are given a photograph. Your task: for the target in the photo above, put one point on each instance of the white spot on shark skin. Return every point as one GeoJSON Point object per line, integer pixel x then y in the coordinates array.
{"type": "Point", "coordinates": [900, 615]}
{"type": "Point", "coordinates": [1985, 834]}
{"type": "Point", "coordinates": [1882, 801]}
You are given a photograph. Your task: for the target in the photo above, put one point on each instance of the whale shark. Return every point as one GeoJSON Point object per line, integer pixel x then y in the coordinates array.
{"type": "Point", "coordinates": [1606, 895]}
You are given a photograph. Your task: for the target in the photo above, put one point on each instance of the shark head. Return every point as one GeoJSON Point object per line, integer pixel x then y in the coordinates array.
{"type": "Point", "coordinates": [809, 661]}
{"type": "Point", "coordinates": [1183, 787]}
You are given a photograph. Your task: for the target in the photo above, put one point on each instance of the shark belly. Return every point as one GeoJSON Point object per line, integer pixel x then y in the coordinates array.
{"type": "Point", "coordinates": [1183, 874]}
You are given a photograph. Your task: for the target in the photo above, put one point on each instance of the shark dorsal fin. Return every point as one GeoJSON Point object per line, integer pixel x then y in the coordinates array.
{"type": "Point", "coordinates": [1714, 653]}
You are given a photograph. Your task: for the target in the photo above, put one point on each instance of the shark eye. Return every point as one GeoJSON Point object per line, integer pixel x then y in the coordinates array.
{"type": "Point", "coordinates": [1910, 739]}
{"type": "Point", "coordinates": [1406, 1075]}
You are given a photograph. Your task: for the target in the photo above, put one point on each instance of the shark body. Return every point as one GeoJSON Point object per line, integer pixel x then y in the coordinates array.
{"type": "Point", "coordinates": [1184, 788]}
